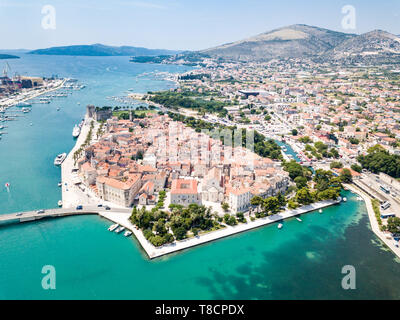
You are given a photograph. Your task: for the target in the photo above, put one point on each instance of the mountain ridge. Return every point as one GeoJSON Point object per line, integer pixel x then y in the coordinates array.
{"type": "Point", "coordinates": [304, 41]}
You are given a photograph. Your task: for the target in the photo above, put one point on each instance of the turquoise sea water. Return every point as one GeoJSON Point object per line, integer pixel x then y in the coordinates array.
{"type": "Point", "coordinates": [301, 261]}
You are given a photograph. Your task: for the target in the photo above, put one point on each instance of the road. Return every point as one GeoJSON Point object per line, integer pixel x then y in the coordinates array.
{"type": "Point", "coordinates": [60, 212]}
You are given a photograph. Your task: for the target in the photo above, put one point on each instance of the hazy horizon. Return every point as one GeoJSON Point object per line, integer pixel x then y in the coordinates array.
{"type": "Point", "coordinates": [175, 24]}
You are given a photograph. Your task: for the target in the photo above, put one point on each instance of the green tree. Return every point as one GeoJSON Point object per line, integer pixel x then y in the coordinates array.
{"type": "Point", "coordinates": [303, 196]}
{"type": "Point", "coordinates": [301, 182]}
{"type": "Point", "coordinates": [393, 225]}
{"type": "Point", "coordinates": [271, 205]}
{"type": "Point", "coordinates": [346, 176]}
{"type": "Point", "coordinates": [356, 168]}
{"type": "Point", "coordinates": [225, 206]}
{"type": "Point", "coordinates": [336, 164]}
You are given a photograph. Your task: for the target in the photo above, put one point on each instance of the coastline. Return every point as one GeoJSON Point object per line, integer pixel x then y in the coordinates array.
{"type": "Point", "coordinates": [373, 223]}
{"type": "Point", "coordinates": [156, 252]}
{"type": "Point", "coordinates": [69, 196]}
{"type": "Point", "coordinates": [10, 102]}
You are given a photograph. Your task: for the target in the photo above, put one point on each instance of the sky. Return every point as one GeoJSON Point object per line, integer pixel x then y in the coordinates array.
{"type": "Point", "coordinates": [177, 24]}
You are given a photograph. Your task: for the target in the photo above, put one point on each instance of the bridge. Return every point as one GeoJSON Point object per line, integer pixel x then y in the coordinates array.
{"type": "Point", "coordinates": [55, 213]}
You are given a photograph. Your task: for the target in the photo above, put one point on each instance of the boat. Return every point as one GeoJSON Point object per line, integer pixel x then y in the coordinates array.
{"type": "Point", "coordinates": [60, 159]}
{"type": "Point", "coordinates": [60, 203]}
{"type": "Point", "coordinates": [58, 109]}
{"type": "Point", "coordinates": [299, 220]}
{"type": "Point", "coordinates": [113, 227]}
{"type": "Point", "coordinates": [59, 184]}
{"type": "Point", "coordinates": [26, 110]}
{"type": "Point", "coordinates": [76, 131]}
{"type": "Point", "coordinates": [128, 233]}
{"type": "Point", "coordinates": [120, 229]}
{"type": "Point", "coordinates": [344, 199]}
{"type": "Point", "coordinates": [23, 105]}
{"type": "Point", "coordinates": [280, 226]}
{"type": "Point", "coordinates": [320, 211]}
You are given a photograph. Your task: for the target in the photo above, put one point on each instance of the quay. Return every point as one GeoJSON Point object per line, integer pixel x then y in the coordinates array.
{"type": "Point", "coordinates": [121, 216]}
{"type": "Point", "coordinates": [383, 236]}
{"type": "Point", "coordinates": [156, 252]}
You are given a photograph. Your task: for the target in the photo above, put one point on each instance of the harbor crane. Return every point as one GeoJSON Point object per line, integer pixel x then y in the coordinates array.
{"type": "Point", "coordinates": [6, 70]}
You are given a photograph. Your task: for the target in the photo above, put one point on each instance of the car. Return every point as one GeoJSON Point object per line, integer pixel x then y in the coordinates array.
{"type": "Point", "coordinates": [79, 207]}
{"type": "Point", "coordinates": [99, 205]}
{"type": "Point", "coordinates": [40, 211]}
{"type": "Point", "coordinates": [107, 208]}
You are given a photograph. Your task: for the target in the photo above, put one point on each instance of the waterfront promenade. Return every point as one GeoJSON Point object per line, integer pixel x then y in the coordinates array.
{"type": "Point", "coordinates": [121, 216]}
{"type": "Point", "coordinates": [155, 252]}
{"type": "Point", "coordinates": [384, 237]}
{"type": "Point", "coordinates": [72, 195]}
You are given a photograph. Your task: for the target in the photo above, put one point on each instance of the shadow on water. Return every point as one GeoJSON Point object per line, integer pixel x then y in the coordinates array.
{"type": "Point", "coordinates": [302, 269]}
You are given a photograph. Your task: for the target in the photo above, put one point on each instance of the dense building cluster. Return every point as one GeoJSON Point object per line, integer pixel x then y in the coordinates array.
{"type": "Point", "coordinates": [135, 159]}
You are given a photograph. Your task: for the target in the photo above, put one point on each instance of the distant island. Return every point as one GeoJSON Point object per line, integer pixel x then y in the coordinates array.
{"type": "Point", "coordinates": [102, 50]}
{"type": "Point", "coordinates": [8, 56]}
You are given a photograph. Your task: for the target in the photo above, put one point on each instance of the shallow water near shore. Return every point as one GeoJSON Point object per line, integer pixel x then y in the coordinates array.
{"type": "Point", "coordinates": [301, 261]}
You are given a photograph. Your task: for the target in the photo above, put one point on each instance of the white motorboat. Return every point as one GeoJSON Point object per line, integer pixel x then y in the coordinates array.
{"type": "Point", "coordinates": [344, 199]}
{"type": "Point", "coordinates": [320, 211]}
{"type": "Point", "coordinates": [60, 203]}
{"type": "Point", "coordinates": [299, 220]}
{"type": "Point", "coordinates": [128, 233]}
{"type": "Point", "coordinates": [60, 159]}
{"type": "Point", "coordinates": [113, 227]}
{"type": "Point", "coordinates": [76, 131]}
{"type": "Point", "coordinates": [120, 229]}
{"type": "Point", "coordinates": [280, 226]}
{"type": "Point", "coordinates": [23, 105]}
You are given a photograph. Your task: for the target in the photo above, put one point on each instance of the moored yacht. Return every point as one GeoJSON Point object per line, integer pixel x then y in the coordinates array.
{"type": "Point", "coordinates": [76, 131]}
{"type": "Point", "coordinates": [60, 159]}
{"type": "Point", "coordinates": [23, 105]}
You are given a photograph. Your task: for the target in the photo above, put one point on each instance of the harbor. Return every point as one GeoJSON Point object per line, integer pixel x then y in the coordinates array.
{"type": "Point", "coordinates": [82, 248]}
